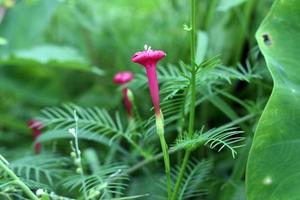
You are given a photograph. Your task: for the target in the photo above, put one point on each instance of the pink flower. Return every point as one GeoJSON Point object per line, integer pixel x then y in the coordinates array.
{"type": "Point", "coordinates": [149, 59]}
{"type": "Point", "coordinates": [36, 127]}
{"type": "Point", "coordinates": [122, 78]}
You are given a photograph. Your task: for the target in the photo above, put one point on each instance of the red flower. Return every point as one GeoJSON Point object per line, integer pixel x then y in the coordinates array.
{"type": "Point", "coordinates": [36, 127]}
{"type": "Point", "coordinates": [122, 78]}
{"type": "Point", "coordinates": [149, 59]}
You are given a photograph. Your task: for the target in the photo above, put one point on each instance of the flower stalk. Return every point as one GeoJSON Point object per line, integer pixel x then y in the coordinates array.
{"type": "Point", "coordinates": [76, 154]}
{"type": "Point", "coordinates": [165, 151]}
{"type": "Point", "coordinates": [149, 59]}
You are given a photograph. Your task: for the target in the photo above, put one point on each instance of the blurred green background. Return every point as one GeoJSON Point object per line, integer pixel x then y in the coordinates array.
{"type": "Point", "coordinates": [57, 51]}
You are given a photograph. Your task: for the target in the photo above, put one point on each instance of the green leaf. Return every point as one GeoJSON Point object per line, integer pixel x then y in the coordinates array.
{"type": "Point", "coordinates": [109, 180]}
{"type": "Point", "coordinates": [89, 119]}
{"type": "Point", "coordinates": [226, 136]}
{"type": "Point", "coordinates": [197, 173]}
{"type": "Point", "coordinates": [273, 164]}
{"type": "Point", "coordinates": [49, 56]}
{"type": "Point", "coordinates": [25, 24]}
{"type": "Point", "coordinates": [40, 167]}
{"type": "Point", "coordinates": [82, 135]}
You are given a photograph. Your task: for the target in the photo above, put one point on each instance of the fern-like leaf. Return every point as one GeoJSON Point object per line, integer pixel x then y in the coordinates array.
{"type": "Point", "coordinates": [104, 184]}
{"type": "Point", "coordinates": [217, 138]}
{"type": "Point", "coordinates": [82, 135]}
{"type": "Point", "coordinates": [195, 175]}
{"type": "Point", "coordinates": [41, 167]}
{"type": "Point", "coordinates": [89, 119]}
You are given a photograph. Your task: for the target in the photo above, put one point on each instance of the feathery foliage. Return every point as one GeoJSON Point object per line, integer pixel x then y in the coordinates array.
{"type": "Point", "coordinates": [54, 135]}
{"type": "Point", "coordinates": [108, 182]}
{"type": "Point", "coordinates": [89, 119]}
{"type": "Point", "coordinates": [40, 168]}
{"type": "Point", "coordinates": [225, 136]}
{"type": "Point", "coordinates": [196, 174]}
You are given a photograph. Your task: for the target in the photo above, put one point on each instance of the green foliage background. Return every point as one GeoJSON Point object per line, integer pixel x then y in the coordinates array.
{"type": "Point", "coordinates": [62, 51]}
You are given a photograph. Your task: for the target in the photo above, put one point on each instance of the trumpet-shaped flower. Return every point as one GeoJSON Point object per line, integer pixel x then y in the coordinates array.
{"type": "Point", "coordinates": [149, 59]}
{"type": "Point", "coordinates": [36, 127]}
{"type": "Point", "coordinates": [122, 78]}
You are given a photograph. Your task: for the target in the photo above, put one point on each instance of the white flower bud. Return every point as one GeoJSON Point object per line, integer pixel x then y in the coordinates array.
{"type": "Point", "coordinates": [40, 192]}
{"type": "Point", "coordinates": [78, 170]}
{"type": "Point", "coordinates": [72, 131]}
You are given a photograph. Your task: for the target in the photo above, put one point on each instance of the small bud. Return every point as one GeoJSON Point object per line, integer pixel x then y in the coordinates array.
{"type": "Point", "coordinates": [73, 155]}
{"type": "Point", "coordinates": [78, 170]}
{"type": "Point", "coordinates": [40, 192]}
{"type": "Point", "coordinates": [91, 192]}
{"type": "Point", "coordinates": [52, 195]}
{"type": "Point", "coordinates": [97, 193]}
{"type": "Point", "coordinates": [77, 161]}
{"type": "Point", "coordinates": [72, 131]}
{"type": "Point", "coordinates": [130, 95]}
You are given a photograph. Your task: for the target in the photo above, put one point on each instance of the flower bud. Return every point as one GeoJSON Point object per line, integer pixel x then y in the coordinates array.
{"type": "Point", "coordinates": [78, 170]}
{"type": "Point", "coordinates": [73, 155]}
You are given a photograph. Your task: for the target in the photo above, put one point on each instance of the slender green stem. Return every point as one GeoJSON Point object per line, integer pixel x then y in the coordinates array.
{"type": "Point", "coordinates": [181, 173]}
{"type": "Point", "coordinates": [17, 181]}
{"type": "Point", "coordinates": [164, 147]}
{"type": "Point", "coordinates": [193, 95]}
{"type": "Point", "coordinates": [193, 73]}
{"type": "Point", "coordinates": [78, 155]}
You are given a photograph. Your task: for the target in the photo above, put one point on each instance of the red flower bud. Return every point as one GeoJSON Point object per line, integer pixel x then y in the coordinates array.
{"type": "Point", "coordinates": [36, 127]}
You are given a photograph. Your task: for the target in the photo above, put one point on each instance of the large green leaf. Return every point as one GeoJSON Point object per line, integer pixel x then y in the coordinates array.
{"type": "Point", "coordinates": [49, 55]}
{"type": "Point", "coordinates": [25, 23]}
{"type": "Point", "coordinates": [273, 170]}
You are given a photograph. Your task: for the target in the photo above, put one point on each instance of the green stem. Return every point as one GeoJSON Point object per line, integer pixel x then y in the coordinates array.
{"type": "Point", "coordinates": [193, 73]}
{"type": "Point", "coordinates": [193, 95]}
{"type": "Point", "coordinates": [164, 147]}
{"type": "Point", "coordinates": [181, 173]}
{"type": "Point", "coordinates": [17, 181]}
